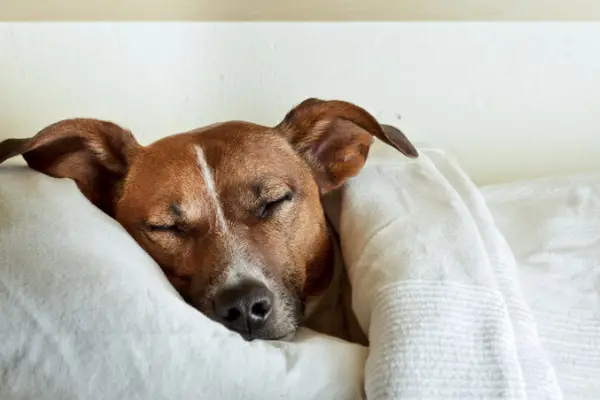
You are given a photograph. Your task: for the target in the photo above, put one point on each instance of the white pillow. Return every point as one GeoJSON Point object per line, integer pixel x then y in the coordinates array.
{"type": "Point", "coordinates": [87, 314]}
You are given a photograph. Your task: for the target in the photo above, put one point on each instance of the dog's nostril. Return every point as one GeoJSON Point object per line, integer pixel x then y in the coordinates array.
{"type": "Point", "coordinates": [260, 309]}
{"type": "Point", "coordinates": [232, 314]}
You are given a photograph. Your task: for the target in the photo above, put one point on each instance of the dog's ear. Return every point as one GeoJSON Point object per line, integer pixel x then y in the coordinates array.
{"type": "Point", "coordinates": [94, 153]}
{"type": "Point", "coordinates": [334, 138]}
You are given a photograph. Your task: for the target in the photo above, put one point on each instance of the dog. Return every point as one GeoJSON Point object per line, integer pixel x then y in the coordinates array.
{"type": "Point", "coordinates": [232, 212]}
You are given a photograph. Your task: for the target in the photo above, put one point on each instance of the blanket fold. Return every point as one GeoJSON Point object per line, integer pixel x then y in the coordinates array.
{"type": "Point", "coordinates": [434, 284]}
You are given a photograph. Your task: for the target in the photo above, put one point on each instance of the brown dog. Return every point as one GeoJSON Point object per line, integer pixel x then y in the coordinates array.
{"type": "Point", "coordinates": [231, 212]}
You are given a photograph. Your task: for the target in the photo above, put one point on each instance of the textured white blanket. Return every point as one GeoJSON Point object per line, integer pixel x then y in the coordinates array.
{"type": "Point", "coordinates": [553, 228]}
{"type": "Point", "coordinates": [434, 284]}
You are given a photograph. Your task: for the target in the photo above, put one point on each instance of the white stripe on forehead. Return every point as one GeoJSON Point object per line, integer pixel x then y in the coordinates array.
{"type": "Point", "coordinates": [240, 267]}
{"type": "Point", "coordinates": [209, 181]}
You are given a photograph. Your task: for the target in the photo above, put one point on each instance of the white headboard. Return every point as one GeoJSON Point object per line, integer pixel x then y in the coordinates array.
{"type": "Point", "coordinates": [510, 100]}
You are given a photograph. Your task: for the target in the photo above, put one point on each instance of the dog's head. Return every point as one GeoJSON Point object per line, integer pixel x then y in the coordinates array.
{"type": "Point", "coordinates": [231, 212]}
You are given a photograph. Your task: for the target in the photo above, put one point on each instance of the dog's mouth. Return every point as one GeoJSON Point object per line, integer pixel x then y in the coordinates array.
{"type": "Point", "coordinates": [288, 337]}
{"type": "Point", "coordinates": [284, 323]}
{"type": "Point", "coordinates": [285, 338]}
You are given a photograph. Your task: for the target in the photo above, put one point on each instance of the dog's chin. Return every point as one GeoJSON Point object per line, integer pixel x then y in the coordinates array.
{"type": "Point", "coordinates": [287, 337]}
{"type": "Point", "coordinates": [282, 329]}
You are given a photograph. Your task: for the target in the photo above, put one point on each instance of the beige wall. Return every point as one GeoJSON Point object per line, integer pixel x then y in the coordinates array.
{"type": "Point", "coordinates": [316, 10]}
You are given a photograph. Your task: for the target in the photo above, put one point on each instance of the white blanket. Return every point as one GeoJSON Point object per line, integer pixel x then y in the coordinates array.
{"type": "Point", "coordinates": [435, 285]}
{"type": "Point", "coordinates": [553, 228]}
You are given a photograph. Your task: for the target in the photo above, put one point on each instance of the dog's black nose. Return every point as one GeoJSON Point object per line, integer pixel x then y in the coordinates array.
{"type": "Point", "coordinates": [245, 307]}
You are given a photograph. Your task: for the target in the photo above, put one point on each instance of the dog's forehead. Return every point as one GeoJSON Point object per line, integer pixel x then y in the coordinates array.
{"type": "Point", "coordinates": [235, 144]}
{"type": "Point", "coordinates": [241, 142]}
{"type": "Point", "coordinates": [231, 154]}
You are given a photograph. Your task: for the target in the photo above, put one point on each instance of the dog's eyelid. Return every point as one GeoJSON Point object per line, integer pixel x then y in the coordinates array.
{"type": "Point", "coordinates": [277, 197]}
{"type": "Point", "coordinates": [159, 227]}
{"type": "Point", "coordinates": [158, 221]}
{"type": "Point", "coordinates": [280, 196]}
{"type": "Point", "coordinates": [266, 207]}
{"type": "Point", "coordinates": [271, 189]}
{"type": "Point", "coordinates": [165, 227]}
{"type": "Point", "coordinates": [288, 196]}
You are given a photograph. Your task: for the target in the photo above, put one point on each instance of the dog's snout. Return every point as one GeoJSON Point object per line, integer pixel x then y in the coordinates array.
{"type": "Point", "coordinates": [244, 308]}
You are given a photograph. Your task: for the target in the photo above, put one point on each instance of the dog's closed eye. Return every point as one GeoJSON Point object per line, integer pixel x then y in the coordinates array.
{"type": "Point", "coordinates": [168, 224]}
{"type": "Point", "coordinates": [175, 229]}
{"type": "Point", "coordinates": [268, 208]}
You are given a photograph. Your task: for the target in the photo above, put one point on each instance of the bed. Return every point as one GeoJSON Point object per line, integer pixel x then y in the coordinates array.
{"type": "Point", "coordinates": [465, 292]}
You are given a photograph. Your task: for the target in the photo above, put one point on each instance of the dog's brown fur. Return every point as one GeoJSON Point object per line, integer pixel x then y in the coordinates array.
{"type": "Point", "coordinates": [233, 194]}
